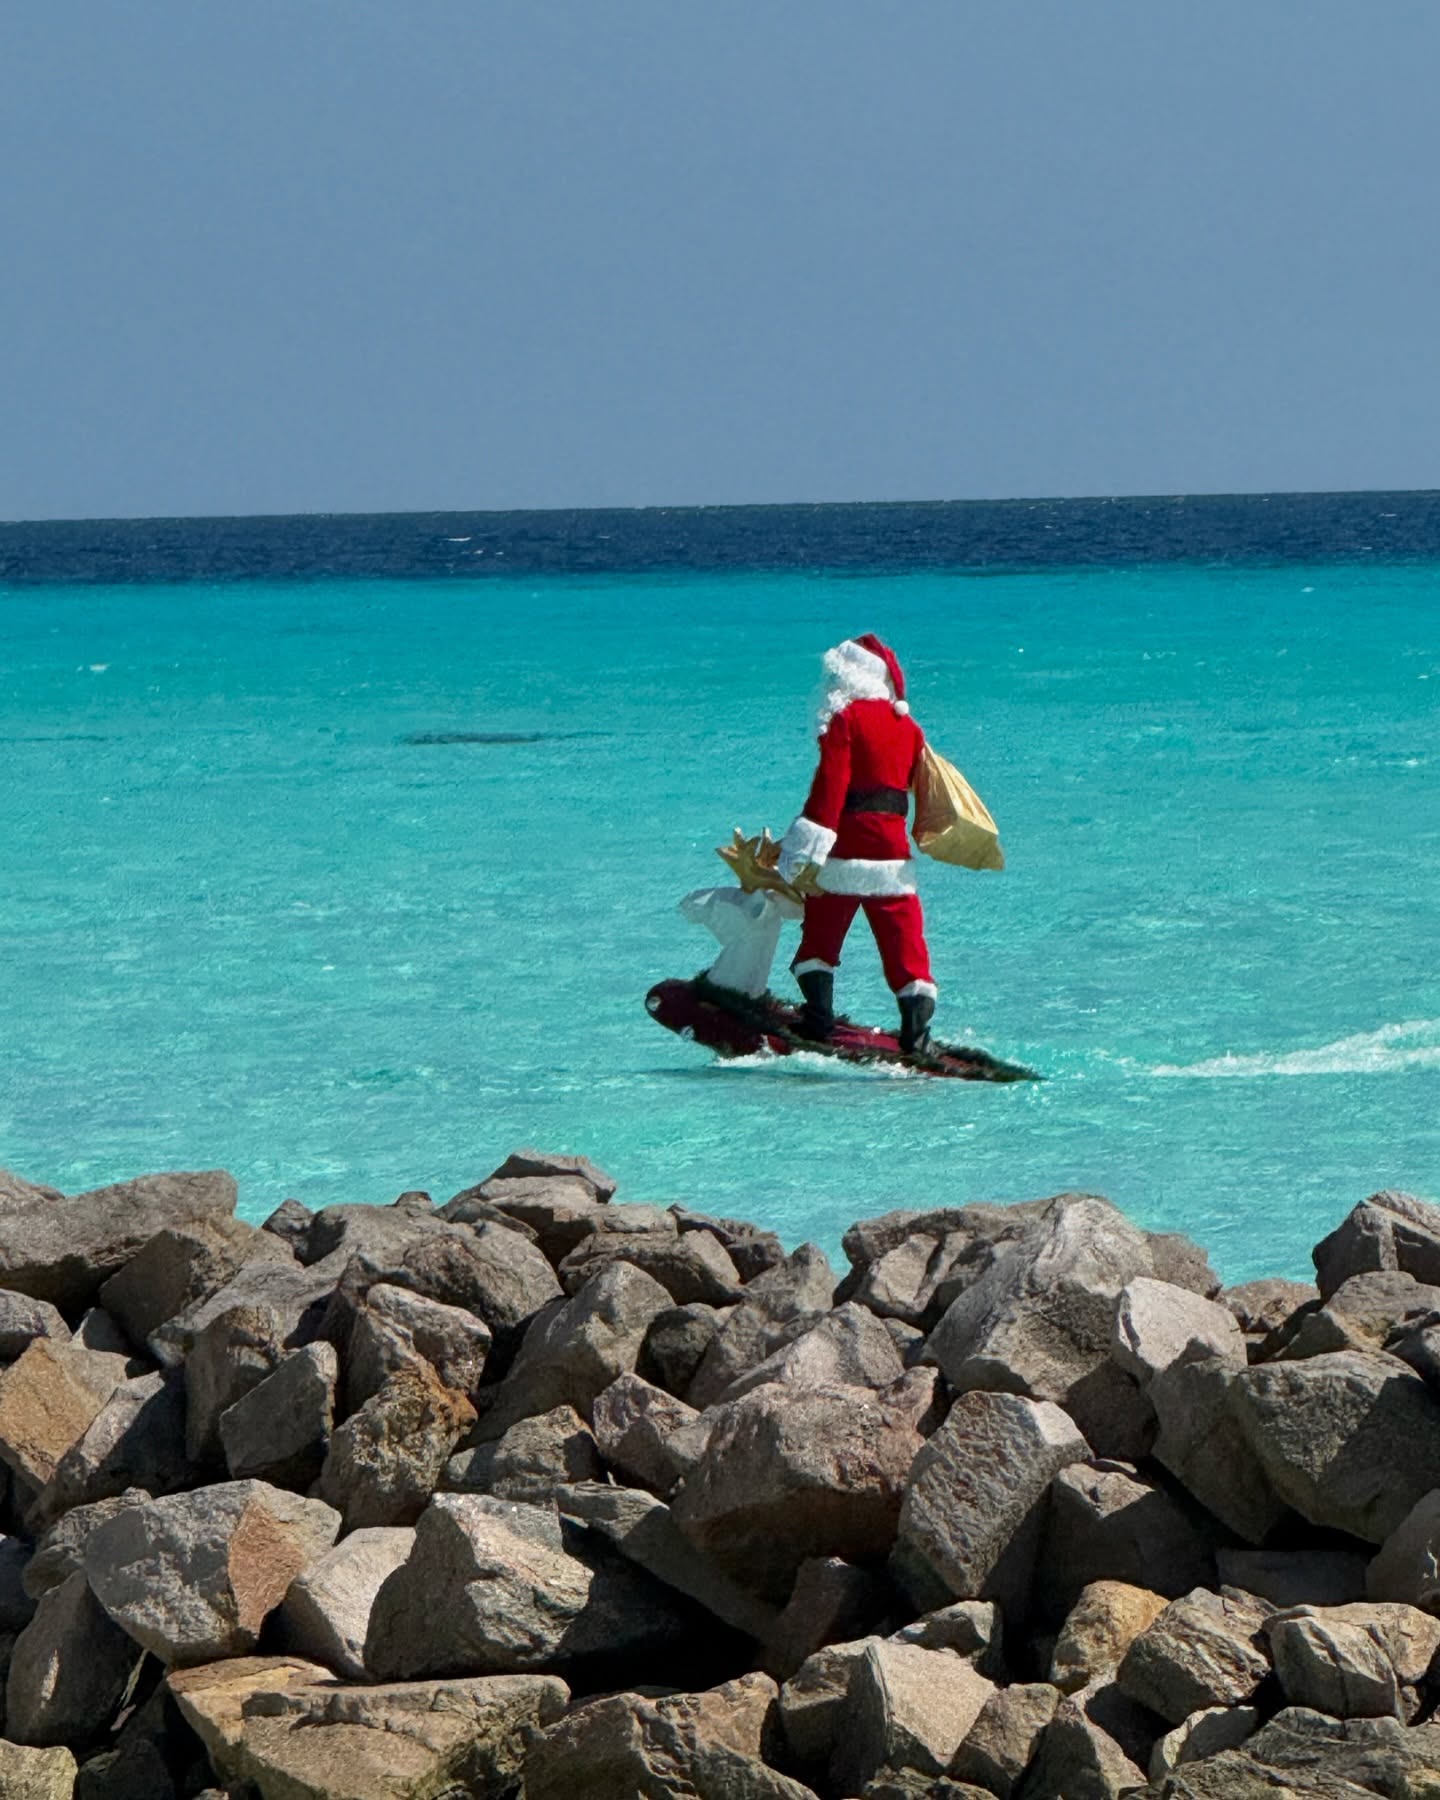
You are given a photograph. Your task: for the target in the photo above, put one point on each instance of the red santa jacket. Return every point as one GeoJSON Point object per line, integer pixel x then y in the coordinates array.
{"type": "Point", "coordinates": [868, 757]}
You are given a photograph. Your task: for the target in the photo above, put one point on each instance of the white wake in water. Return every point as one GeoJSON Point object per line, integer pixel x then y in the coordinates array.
{"type": "Point", "coordinates": [1413, 1045]}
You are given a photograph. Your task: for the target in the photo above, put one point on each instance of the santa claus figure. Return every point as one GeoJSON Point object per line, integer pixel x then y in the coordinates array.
{"type": "Point", "coordinates": [853, 828]}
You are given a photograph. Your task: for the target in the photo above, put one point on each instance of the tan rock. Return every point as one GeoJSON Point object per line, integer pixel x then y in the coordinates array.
{"type": "Point", "coordinates": [1101, 1626]}
{"type": "Point", "coordinates": [48, 1398]}
{"type": "Point", "coordinates": [27, 1774]}
{"type": "Point", "coordinates": [1203, 1650]}
{"type": "Point", "coordinates": [384, 1462]}
{"type": "Point", "coordinates": [906, 1708]}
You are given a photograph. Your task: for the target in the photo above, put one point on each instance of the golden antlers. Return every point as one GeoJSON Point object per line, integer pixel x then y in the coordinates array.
{"type": "Point", "coordinates": [756, 864]}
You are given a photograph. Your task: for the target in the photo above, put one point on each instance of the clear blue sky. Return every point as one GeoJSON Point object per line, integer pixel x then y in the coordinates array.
{"type": "Point", "coordinates": [352, 255]}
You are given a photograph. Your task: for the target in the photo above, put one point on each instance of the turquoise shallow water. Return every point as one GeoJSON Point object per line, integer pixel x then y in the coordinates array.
{"type": "Point", "coordinates": [247, 924]}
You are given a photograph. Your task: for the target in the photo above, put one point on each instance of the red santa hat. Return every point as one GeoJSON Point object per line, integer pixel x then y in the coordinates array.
{"type": "Point", "coordinates": [890, 666]}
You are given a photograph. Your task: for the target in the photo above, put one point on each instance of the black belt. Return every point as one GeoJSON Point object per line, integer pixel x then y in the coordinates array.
{"type": "Point", "coordinates": [878, 800]}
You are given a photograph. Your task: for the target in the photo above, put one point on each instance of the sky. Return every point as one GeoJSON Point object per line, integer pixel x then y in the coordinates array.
{"type": "Point", "coordinates": [359, 255]}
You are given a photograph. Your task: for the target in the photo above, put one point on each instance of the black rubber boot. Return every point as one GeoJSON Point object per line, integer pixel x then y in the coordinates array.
{"type": "Point", "coordinates": [817, 1016]}
{"type": "Point", "coordinates": [916, 1012]}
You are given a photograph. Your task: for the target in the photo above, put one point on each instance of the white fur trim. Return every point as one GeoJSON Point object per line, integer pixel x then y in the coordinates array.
{"type": "Point", "coordinates": [812, 966]}
{"type": "Point", "coordinates": [851, 673]}
{"type": "Point", "coordinates": [918, 987]}
{"type": "Point", "coordinates": [860, 875]}
{"type": "Point", "coordinates": [902, 707]}
{"type": "Point", "coordinates": [805, 842]}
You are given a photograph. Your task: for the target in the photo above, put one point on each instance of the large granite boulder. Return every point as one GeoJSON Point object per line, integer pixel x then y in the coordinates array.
{"type": "Point", "coordinates": [500, 1587]}
{"type": "Point", "coordinates": [136, 1440]}
{"type": "Point", "coordinates": [974, 1508]}
{"type": "Point", "coordinates": [706, 1746]}
{"type": "Point", "coordinates": [691, 1265]}
{"type": "Point", "coordinates": [1101, 1626]}
{"type": "Point", "coordinates": [384, 1462]}
{"type": "Point", "coordinates": [24, 1318]}
{"type": "Point", "coordinates": [279, 1431]}
{"type": "Point", "coordinates": [907, 1708]}
{"type": "Point", "coordinates": [647, 1435]}
{"type": "Point", "coordinates": [1001, 1744]}
{"type": "Point", "coordinates": [1078, 1759]}
{"type": "Point", "coordinates": [395, 1327]}
{"type": "Point", "coordinates": [1157, 1323]}
{"type": "Point", "coordinates": [31, 1774]}
{"type": "Point", "coordinates": [64, 1250]}
{"type": "Point", "coordinates": [1364, 1313]}
{"type": "Point", "coordinates": [1039, 1320]}
{"type": "Point", "coordinates": [1203, 1442]}
{"type": "Point", "coordinates": [527, 1164]}
{"type": "Point", "coordinates": [533, 1459]}
{"type": "Point", "coordinates": [1387, 1231]}
{"type": "Point", "coordinates": [326, 1611]}
{"type": "Point", "coordinates": [1350, 1440]}
{"type": "Point", "coordinates": [751, 1248]}
{"type": "Point", "coordinates": [1366, 1660]}
{"type": "Point", "coordinates": [1106, 1523]}
{"type": "Point", "coordinates": [575, 1348]}
{"type": "Point", "coordinates": [281, 1727]}
{"type": "Point", "coordinates": [60, 1551]}
{"type": "Point", "coordinates": [559, 1209]}
{"type": "Point", "coordinates": [48, 1400]}
{"type": "Point", "coordinates": [194, 1576]}
{"type": "Point", "coordinates": [1203, 1650]}
{"type": "Point", "coordinates": [179, 1267]}
{"type": "Point", "coordinates": [231, 1354]}
{"type": "Point", "coordinates": [849, 1347]}
{"type": "Point", "coordinates": [790, 1474]}
{"type": "Point", "coordinates": [69, 1670]}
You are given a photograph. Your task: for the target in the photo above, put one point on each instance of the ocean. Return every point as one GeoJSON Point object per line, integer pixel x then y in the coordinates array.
{"type": "Point", "coordinates": [341, 852]}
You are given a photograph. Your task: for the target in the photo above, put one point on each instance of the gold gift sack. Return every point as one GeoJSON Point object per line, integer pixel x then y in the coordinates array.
{"type": "Point", "coordinates": [951, 822]}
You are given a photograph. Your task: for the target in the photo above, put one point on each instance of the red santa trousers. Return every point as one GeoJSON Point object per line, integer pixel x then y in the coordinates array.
{"type": "Point", "coordinates": [897, 921]}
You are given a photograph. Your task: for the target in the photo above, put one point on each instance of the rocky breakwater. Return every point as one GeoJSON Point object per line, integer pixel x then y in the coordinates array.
{"type": "Point", "coordinates": [537, 1496]}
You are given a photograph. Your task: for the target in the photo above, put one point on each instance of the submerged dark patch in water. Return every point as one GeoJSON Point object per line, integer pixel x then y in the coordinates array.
{"type": "Point", "coordinates": [491, 737]}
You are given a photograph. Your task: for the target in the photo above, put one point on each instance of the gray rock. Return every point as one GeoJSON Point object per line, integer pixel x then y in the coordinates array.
{"type": "Point", "coordinates": [751, 1249]}
{"type": "Point", "coordinates": [911, 1283]}
{"type": "Point", "coordinates": [908, 1708]}
{"type": "Point", "coordinates": [377, 1237]}
{"type": "Point", "coordinates": [1407, 1565]}
{"type": "Point", "coordinates": [326, 1611]}
{"type": "Point", "coordinates": [48, 1398]}
{"type": "Point", "coordinates": [691, 1266]}
{"type": "Point", "coordinates": [65, 1250]}
{"type": "Point", "coordinates": [1387, 1231]}
{"type": "Point", "coordinates": [194, 1576]}
{"type": "Point", "coordinates": [533, 1458]}
{"type": "Point", "coordinates": [803, 1283]}
{"type": "Point", "coordinates": [16, 1192]}
{"type": "Point", "coordinates": [70, 1669]}
{"type": "Point", "coordinates": [849, 1347]}
{"type": "Point", "coordinates": [1202, 1735]}
{"type": "Point", "coordinates": [384, 1462]}
{"type": "Point", "coordinates": [1360, 1661]}
{"type": "Point", "coordinates": [1203, 1650]}
{"type": "Point", "coordinates": [1078, 1760]}
{"type": "Point", "coordinates": [557, 1210]}
{"type": "Point", "coordinates": [576, 1348]}
{"type": "Point", "coordinates": [708, 1746]}
{"type": "Point", "coordinates": [748, 1334]}
{"type": "Point", "coordinates": [291, 1222]}
{"type": "Point", "coordinates": [675, 1345]}
{"type": "Point", "coordinates": [1038, 1321]}
{"type": "Point", "coordinates": [528, 1164]}
{"type": "Point", "coordinates": [1182, 1263]}
{"type": "Point", "coordinates": [649, 1436]}
{"type": "Point", "coordinates": [395, 1326]}
{"type": "Point", "coordinates": [1350, 1440]}
{"type": "Point", "coordinates": [788, 1475]}
{"type": "Point", "coordinates": [494, 1587]}
{"type": "Point", "coordinates": [1204, 1444]}
{"type": "Point", "coordinates": [1001, 1744]}
{"type": "Point", "coordinates": [968, 1628]}
{"type": "Point", "coordinates": [1362, 1314]}
{"type": "Point", "coordinates": [61, 1551]}
{"type": "Point", "coordinates": [1295, 1577]}
{"type": "Point", "coordinates": [280, 1430]}
{"type": "Point", "coordinates": [297, 1296]}
{"type": "Point", "coordinates": [1157, 1323]}
{"type": "Point", "coordinates": [642, 1529]}
{"type": "Point", "coordinates": [831, 1602]}
{"type": "Point", "coordinates": [279, 1726]}
{"type": "Point", "coordinates": [232, 1353]}
{"type": "Point", "coordinates": [492, 1272]}
{"type": "Point", "coordinates": [1312, 1757]}
{"type": "Point", "coordinates": [985, 1226]}
{"type": "Point", "coordinates": [1261, 1307]}
{"type": "Point", "coordinates": [136, 1440]}
{"type": "Point", "coordinates": [975, 1507]}
{"type": "Point", "coordinates": [814, 1705]}
{"type": "Point", "coordinates": [1098, 1630]}
{"type": "Point", "coordinates": [1106, 1524]}
{"type": "Point", "coordinates": [181, 1266]}
{"type": "Point", "coordinates": [98, 1331]}
{"type": "Point", "coordinates": [23, 1318]}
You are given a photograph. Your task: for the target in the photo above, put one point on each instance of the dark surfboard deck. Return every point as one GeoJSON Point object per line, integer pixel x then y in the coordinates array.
{"type": "Point", "coordinates": [732, 1024]}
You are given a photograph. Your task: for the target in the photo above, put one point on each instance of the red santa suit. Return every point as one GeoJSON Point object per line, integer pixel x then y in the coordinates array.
{"type": "Point", "coordinates": [853, 825]}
